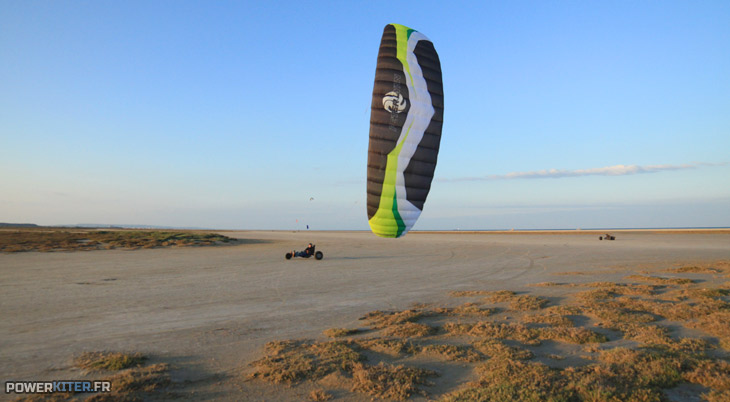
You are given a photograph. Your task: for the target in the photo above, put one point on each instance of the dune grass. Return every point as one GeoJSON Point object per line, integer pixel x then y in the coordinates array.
{"type": "Point", "coordinates": [549, 318]}
{"type": "Point", "coordinates": [109, 361]}
{"type": "Point", "coordinates": [395, 347]}
{"type": "Point", "coordinates": [511, 380]}
{"type": "Point", "coordinates": [53, 239]}
{"type": "Point", "coordinates": [460, 353]}
{"type": "Point", "coordinates": [527, 302]}
{"type": "Point", "coordinates": [293, 361]}
{"type": "Point", "coordinates": [383, 319]}
{"type": "Point", "coordinates": [409, 330]}
{"type": "Point", "coordinates": [131, 378]}
{"type": "Point", "coordinates": [694, 269]}
{"type": "Point", "coordinates": [317, 395]}
{"type": "Point", "coordinates": [341, 332]}
{"type": "Point", "coordinates": [466, 309]}
{"type": "Point", "coordinates": [499, 350]}
{"type": "Point", "coordinates": [660, 280]}
{"type": "Point", "coordinates": [133, 383]}
{"type": "Point", "coordinates": [605, 342]}
{"type": "Point", "coordinates": [515, 301]}
{"type": "Point", "coordinates": [389, 381]}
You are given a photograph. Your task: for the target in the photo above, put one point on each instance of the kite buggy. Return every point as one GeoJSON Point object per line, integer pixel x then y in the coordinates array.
{"type": "Point", "coordinates": [607, 237]}
{"type": "Point", "coordinates": [308, 252]}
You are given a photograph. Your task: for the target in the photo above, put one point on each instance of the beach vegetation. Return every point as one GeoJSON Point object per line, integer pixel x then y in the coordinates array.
{"type": "Point", "coordinates": [381, 319]}
{"type": "Point", "coordinates": [460, 353]}
{"type": "Point", "coordinates": [341, 332]}
{"type": "Point", "coordinates": [294, 361]}
{"type": "Point", "coordinates": [466, 309]}
{"type": "Point", "coordinates": [660, 280]}
{"type": "Point", "coordinates": [389, 381]}
{"type": "Point", "coordinates": [390, 346]}
{"type": "Point", "coordinates": [601, 342]}
{"type": "Point", "coordinates": [131, 378]}
{"type": "Point", "coordinates": [409, 330]}
{"type": "Point", "coordinates": [56, 239]}
{"type": "Point", "coordinates": [109, 361]}
{"type": "Point", "coordinates": [318, 395]}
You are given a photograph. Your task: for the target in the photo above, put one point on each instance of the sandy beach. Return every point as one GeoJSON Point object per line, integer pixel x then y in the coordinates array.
{"type": "Point", "coordinates": [209, 311]}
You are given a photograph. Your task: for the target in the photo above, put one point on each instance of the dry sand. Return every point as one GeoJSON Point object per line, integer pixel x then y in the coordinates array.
{"type": "Point", "coordinates": [209, 310]}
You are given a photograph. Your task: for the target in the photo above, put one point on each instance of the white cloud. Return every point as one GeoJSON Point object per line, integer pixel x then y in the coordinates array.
{"type": "Point", "coordinates": [616, 170]}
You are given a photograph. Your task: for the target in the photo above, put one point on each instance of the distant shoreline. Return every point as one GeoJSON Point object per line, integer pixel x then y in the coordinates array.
{"type": "Point", "coordinates": [581, 231]}
{"type": "Point", "coordinates": [592, 231]}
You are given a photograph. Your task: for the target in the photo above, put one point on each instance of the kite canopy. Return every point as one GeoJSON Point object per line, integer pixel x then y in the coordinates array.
{"type": "Point", "coordinates": [405, 130]}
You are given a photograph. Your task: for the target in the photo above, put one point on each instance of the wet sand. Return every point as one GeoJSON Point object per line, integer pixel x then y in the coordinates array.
{"type": "Point", "coordinates": [209, 310]}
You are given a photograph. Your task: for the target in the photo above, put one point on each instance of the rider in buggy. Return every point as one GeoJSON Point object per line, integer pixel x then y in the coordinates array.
{"type": "Point", "coordinates": [306, 253]}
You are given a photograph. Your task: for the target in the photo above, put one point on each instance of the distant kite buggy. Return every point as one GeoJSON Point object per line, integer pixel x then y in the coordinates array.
{"type": "Point", "coordinates": [308, 252]}
{"type": "Point", "coordinates": [406, 116]}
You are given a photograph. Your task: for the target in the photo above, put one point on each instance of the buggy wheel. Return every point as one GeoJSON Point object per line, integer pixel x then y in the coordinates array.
{"type": "Point", "coordinates": [288, 256]}
{"type": "Point", "coordinates": [318, 255]}
{"type": "Point", "coordinates": [600, 237]}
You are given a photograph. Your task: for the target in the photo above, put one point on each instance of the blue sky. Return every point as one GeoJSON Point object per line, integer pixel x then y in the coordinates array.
{"type": "Point", "coordinates": [234, 115]}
